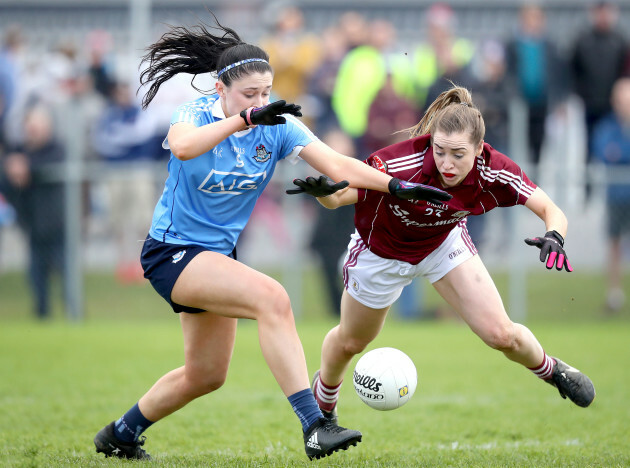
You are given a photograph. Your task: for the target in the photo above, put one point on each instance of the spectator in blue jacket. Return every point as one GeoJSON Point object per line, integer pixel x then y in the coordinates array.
{"type": "Point", "coordinates": [611, 145]}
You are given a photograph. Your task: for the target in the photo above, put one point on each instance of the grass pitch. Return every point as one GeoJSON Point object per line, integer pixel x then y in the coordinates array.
{"type": "Point", "coordinates": [60, 383]}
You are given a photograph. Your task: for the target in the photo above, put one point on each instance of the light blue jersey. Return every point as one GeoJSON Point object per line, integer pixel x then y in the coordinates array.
{"type": "Point", "coordinates": [208, 200]}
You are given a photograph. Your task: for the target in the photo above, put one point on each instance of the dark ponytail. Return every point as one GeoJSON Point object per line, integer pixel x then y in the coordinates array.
{"type": "Point", "coordinates": [196, 51]}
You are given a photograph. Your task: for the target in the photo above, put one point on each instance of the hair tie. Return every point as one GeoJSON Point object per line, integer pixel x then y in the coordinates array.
{"type": "Point", "coordinates": [465, 104]}
{"type": "Point", "coordinates": [236, 64]}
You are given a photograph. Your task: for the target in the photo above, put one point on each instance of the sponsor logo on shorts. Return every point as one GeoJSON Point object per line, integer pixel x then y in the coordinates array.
{"type": "Point", "coordinates": [354, 284]}
{"type": "Point", "coordinates": [460, 214]}
{"type": "Point", "coordinates": [457, 252]}
{"type": "Point", "coordinates": [178, 256]}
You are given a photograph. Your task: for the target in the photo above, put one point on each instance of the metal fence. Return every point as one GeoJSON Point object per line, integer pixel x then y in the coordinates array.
{"type": "Point", "coordinates": [94, 245]}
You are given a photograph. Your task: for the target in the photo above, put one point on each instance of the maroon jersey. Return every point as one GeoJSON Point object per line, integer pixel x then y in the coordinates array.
{"type": "Point", "coordinates": [409, 230]}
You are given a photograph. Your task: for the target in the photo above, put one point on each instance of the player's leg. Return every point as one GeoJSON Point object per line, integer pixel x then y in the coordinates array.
{"type": "Point", "coordinates": [372, 285]}
{"type": "Point", "coordinates": [208, 344]}
{"type": "Point", "coordinates": [358, 326]}
{"type": "Point", "coordinates": [470, 290]}
{"type": "Point", "coordinates": [228, 288]}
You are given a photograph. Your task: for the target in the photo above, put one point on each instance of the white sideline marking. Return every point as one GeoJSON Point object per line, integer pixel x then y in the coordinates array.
{"type": "Point", "coordinates": [493, 445]}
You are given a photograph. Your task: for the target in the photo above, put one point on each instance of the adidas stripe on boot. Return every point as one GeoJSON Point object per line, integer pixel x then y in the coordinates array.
{"type": "Point", "coordinates": [106, 442]}
{"type": "Point", "coordinates": [324, 438]}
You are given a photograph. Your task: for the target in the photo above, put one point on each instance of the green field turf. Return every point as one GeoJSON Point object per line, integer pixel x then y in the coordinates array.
{"type": "Point", "coordinates": [60, 383]}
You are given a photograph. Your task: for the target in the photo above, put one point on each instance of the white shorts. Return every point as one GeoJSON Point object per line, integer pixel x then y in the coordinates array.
{"type": "Point", "coordinates": [378, 282]}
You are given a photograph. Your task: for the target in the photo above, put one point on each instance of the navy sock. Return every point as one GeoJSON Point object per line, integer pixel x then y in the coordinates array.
{"type": "Point", "coordinates": [133, 423]}
{"type": "Point", "coordinates": [306, 408]}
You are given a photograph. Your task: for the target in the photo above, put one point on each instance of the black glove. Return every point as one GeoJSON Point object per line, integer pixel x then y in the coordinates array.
{"type": "Point", "coordinates": [412, 191]}
{"type": "Point", "coordinates": [321, 187]}
{"type": "Point", "coordinates": [552, 250]}
{"type": "Point", "coordinates": [271, 114]}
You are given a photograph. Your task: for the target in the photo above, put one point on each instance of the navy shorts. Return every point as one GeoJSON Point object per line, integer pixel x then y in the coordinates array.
{"type": "Point", "coordinates": [163, 263]}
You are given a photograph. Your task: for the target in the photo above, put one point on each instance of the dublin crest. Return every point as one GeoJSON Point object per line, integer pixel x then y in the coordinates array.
{"type": "Point", "coordinates": [262, 155]}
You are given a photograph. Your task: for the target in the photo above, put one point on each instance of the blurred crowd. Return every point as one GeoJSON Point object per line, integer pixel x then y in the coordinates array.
{"type": "Point", "coordinates": [359, 86]}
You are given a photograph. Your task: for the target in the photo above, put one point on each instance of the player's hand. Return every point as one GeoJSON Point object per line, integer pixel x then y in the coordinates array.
{"type": "Point", "coordinates": [551, 250]}
{"type": "Point", "coordinates": [320, 187]}
{"type": "Point", "coordinates": [412, 191]}
{"type": "Point", "coordinates": [271, 114]}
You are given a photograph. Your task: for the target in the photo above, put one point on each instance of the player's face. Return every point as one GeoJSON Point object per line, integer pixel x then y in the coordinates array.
{"type": "Point", "coordinates": [454, 156]}
{"type": "Point", "coordinates": [251, 90]}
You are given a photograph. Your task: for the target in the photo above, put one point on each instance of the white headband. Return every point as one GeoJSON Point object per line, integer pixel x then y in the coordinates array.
{"type": "Point", "coordinates": [229, 67]}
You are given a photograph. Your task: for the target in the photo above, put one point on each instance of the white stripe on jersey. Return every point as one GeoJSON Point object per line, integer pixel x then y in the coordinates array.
{"type": "Point", "coordinates": [201, 105]}
{"type": "Point", "coordinates": [185, 117]}
{"type": "Point", "coordinates": [406, 162]}
{"type": "Point", "coordinates": [418, 164]}
{"type": "Point", "coordinates": [402, 159]}
{"type": "Point", "coordinates": [192, 110]}
{"type": "Point", "coordinates": [505, 177]}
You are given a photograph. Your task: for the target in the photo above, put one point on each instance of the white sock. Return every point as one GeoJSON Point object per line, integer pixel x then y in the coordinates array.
{"type": "Point", "coordinates": [325, 395]}
{"type": "Point", "coordinates": [545, 370]}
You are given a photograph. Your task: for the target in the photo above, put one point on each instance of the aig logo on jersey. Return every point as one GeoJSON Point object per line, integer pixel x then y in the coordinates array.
{"type": "Point", "coordinates": [231, 183]}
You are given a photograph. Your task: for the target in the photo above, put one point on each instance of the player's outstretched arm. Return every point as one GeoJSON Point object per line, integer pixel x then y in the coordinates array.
{"type": "Point", "coordinates": [337, 166]}
{"type": "Point", "coordinates": [188, 141]}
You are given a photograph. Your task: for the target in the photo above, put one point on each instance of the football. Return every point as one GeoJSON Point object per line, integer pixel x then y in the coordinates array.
{"type": "Point", "coordinates": [385, 378]}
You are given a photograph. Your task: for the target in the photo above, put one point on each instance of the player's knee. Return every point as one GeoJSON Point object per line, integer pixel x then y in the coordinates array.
{"type": "Point", "coordinates": [207, 383]}
{"type": "Point", "coordinates": [274, 303]}
{"type": "Point", "coordinates": [354, 346]}
{"type": "Point", "coordinates": [500, 337]}
{"type": "Point", "coordinates": [212, 383]}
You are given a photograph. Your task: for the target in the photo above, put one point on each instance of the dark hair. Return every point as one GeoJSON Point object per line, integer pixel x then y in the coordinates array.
{"type": "Point", "coordinates": [197, 51]}
{"type": "Point", "coordinates": [453, 111]}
